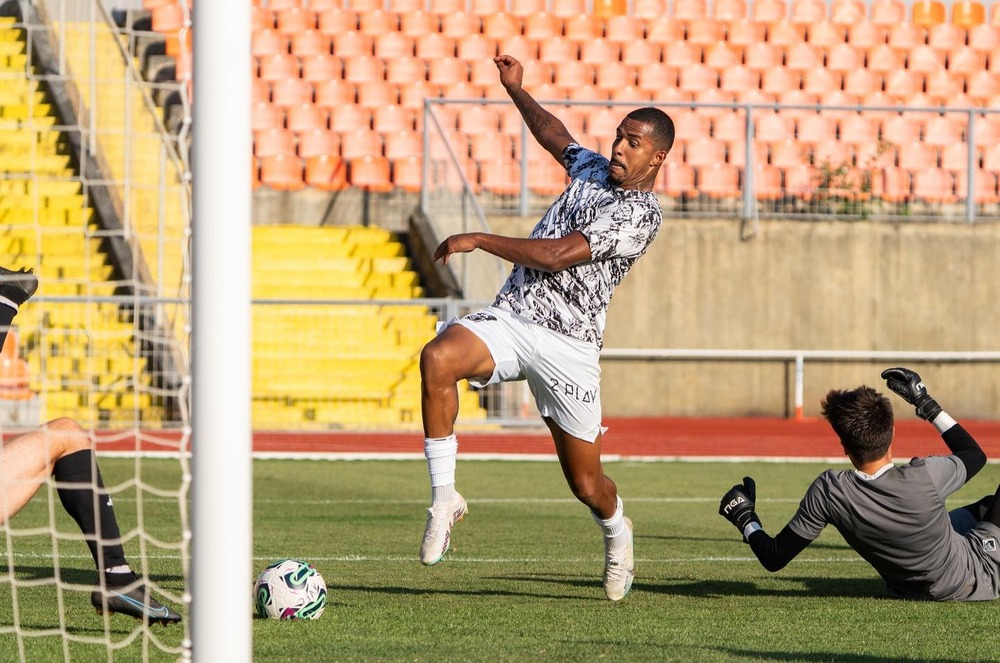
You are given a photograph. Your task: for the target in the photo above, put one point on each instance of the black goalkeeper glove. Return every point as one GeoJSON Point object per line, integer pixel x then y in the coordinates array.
{"type": "Point", "coordinates": [911, 389]}
{"type": "Point", "coordinates": [737, 506]}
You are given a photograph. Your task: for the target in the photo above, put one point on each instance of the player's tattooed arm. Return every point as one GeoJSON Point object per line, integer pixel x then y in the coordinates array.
{"type": "Point", "coordinates": [547, 129]}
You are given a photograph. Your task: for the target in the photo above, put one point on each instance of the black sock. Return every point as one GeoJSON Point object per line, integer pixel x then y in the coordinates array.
{"type": "Point", "coordinates": [993, 513]}
{"type": "Point", "coordinates": [92, 512]}
{"type": "Point", "coordinates": [6, 317]}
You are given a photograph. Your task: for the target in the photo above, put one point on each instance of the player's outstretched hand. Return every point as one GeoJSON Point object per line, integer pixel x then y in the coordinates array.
{"type": "Point", "coordinates": [908, 385]}
{"type": "Point", "coordinates": [455, 244]}
{"type": "Point", "coordinates": [511, 72]}
{"type": "Point", "coordinates": [737, 505]}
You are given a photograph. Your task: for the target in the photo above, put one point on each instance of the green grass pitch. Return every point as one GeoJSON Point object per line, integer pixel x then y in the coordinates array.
{"type": "Point", "coordinates": [523, 581]}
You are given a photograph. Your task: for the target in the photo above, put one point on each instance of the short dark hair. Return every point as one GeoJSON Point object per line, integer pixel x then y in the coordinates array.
{"type": "Point", "coordinates": [862, 418]}
{"type": "Point", "coordinates": [660, 122]}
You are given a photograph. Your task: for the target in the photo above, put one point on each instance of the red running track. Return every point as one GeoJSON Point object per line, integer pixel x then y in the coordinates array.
{"type": "Point", "coordinates": [646, 437]}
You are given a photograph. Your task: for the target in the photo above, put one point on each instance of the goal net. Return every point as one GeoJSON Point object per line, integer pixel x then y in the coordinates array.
{"type": "Point", "coordinates": [94, 196]}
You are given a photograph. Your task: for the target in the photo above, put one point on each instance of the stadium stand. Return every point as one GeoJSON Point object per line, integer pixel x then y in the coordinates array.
{"type": "Point", "coordinates": [350, 364]}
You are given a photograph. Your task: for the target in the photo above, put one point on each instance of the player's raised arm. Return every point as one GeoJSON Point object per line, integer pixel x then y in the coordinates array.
{"type": "Point", "coordinates": [910, 387]}
{"type": "Point", "coordinates": [547, 129]}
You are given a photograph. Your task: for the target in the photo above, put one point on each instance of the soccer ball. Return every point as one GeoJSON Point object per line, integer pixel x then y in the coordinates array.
{"type": "Point", "coordinates": [290, 589]}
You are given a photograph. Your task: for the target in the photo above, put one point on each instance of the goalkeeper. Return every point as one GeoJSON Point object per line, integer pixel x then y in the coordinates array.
{"type": "Point", "coordinates": [893, 516]}
{"type": "Point", "coordinates": [62, 449]}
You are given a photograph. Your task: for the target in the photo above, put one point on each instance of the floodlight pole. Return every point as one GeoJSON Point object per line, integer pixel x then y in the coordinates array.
{"type": "Point", "coordinates": [222, 533]}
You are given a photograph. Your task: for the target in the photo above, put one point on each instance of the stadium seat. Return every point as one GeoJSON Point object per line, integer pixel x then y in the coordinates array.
{"type": "Point", "coordinates": [901, 128]}
{"type": "Point", "coordinates": [288, 92]}
{"type": "Point", "coordinates": [825, 34]}
{"type": "Point", "coordinates": [696, 78]}
{"type": "Point", "coordinates": [985, 184]}
{"type": "Point", "coordinates": [866, 35]}
{"type": "Point", "coordinates": [924, 59]}
{"type": "Point", "coordinates": [568, 8]}
{"type": "Point", "coordinates": [689, 124]}
{"type": "Point", "coordinates": [333, 92]}
{"type": "Point", "coordinates": [767, 181]}
{"type": "Point", "coordinates": [623, 29]}
{"type": "Point", "coordinates": [418, 23]}
{"type": "Point", "coordinates": [278, 66]}
{"type": "Point", "coordinates": [983, 86]}
{"type": "Point", "coordinates": [689, 10]}
{"type": "Point", "coordinates": [722, 55]}
{"type": "Point", "coordinates": [641, 52]}
{"type": "Point", "coordinates": [984, 38]}
{"type": "Point", "coordinates": [542, 27]}
{"type": "Point", "coordinates": [446, 70]}
{"type": "Point", "coordinates": [525, 8]}
{"type": "Point", "coordinates": [808, 12]}
{"type": "Point", "coordinates": [317, 142]}
{"type": "Point", "coordinates": [265, 115]}
{"type": "Point", "coordinates": [968, 13]}
{"type": "Point", "coordinates": [336, 20]}
{"type": "Point", "coordinates": [719, 180]}
{"type": "Point", "coordinates": [785, 33]}
{"type": "Point", "coordinates": [442, 7]}
{"type": "Point", "coordinates": [485, 7]}
{"type": "Point", "coordinates": [369, 172]}
{"type": "Point", "coordinates": [500, 176]}
{"type": "Point", "coordinates": [407, 174]}
{"type": "Point", "coordinates": [903, 85]}
{"type": "Point", "coordinates": [770, 11]}
{"type": "Point", "coordinates": [363, 68]}
{"type": "Point", "coordinates": [351, 44]}
{"type": "Point", "coordinates": [945, 36]}
{"type": "Point", "coordinates": [461, 24]}
{"type": "Point", "coordinates": [943, 85]}
{"type": "Point", "coordinates": [762, 57]}
{"type": "Point", "coordinates": [613, 75]}
{"type": "Point", "coordinates": [650, 8]}
{"type": "Point", "coordinates": [678, 179]}
{"type": "Point", "coordinates": [862, 82]}
{"type": "Point", "coordinates": [501, 25]}
{"type": "Point", "coordinates": [738, 79]}
{"type": "Point", "coordinates": [392, 45]}
{"type": "Point", "coordinates": [778, 80]}
{"type": "Point", "coordinates": [599, 51]}
{"type": "Point", "coordinates": [926, 13]}
{"type": "Point", "coordinates": [944, 130]}
{"type": "Point", "coordinates": [728, 11]}
{"type": "Point", "coordinates": [327, 172]}
{"type": "Point", "coordinates": [885, 59]}
{"type": "Point", "coordinates": [268, 42]}
{"type": "Point", "coordinates": [610, 8]}
{"type": "Point", "coordinates": [844, 58]}
{"type": "Point", "coordinates": [787, 153]}
{"type": "Point", "coordinates": [737, 153]}
{"type": "Point", "coordinates": [349, 117]}
{"type": "Point", "coordinates": [680, 54]}
{"type": "Point", "coordinates": [705, 151]}
{"type": "Point", "coordinates": [887, 12]}
{"type": "Point", "coordinates": [803, 57]}
{"type": "Point", "coordinates": [583, 27]}
{"type": "Point", "coordinates": [434, 46]}
{"type": "Point", "coordinates": [933, 185]}
{"type": "Point", "coordinates": [745, 33]}
{"type": "Point", "coordinates": [293, 20]}
{"type": "Point", "coordinates": [705, 32]}
{"type": "Point", "coordinates": [859, 128]}
{"type": "Point", "coordinates": [656, 77]}
{"type": "Point", "coordinates": [262, 18]}
{"type": "Point", "coordinates": [359, 143]}
{"type": "Point", "coordinates": [814, 128]}
{"type": "Point", "coordinates": [282, 172]}
{"type": "Point", "coordinates": [833, 153]}
{"type": "Point", "coordinates": [322, 68]}
{"type": "Point", "coordinates": [306, 117]}
{"type": "Point", "coordinates": [274, 141]}
{"type": "Point", "coordinates": [800, 179]}
{"type": "Point", "coordinates": [557, 50]}
{"type": "Point", "coordinates": [310, 42]}
{"type": "Point", "coordinates": [848, 12]}
{"type": "Point", "coordinates": [917, 155]}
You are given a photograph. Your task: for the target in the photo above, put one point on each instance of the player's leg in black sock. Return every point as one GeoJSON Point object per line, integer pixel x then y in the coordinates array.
{"type": "Point", "coordinates": [993, 512]}
{"type": "Point", "coordinates": [7, 314]}
{"type": "Point", "coordinates": [90, 506]}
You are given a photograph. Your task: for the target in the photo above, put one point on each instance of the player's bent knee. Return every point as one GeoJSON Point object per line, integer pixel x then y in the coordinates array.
{"type": "Point", "coordinates": [69, 434]}
{"type": "Point", "coordinates": [586, 489]}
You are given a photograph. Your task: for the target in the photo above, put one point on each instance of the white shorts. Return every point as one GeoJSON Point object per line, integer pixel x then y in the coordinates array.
{"type": "Point", "coordinates": [564, 374]}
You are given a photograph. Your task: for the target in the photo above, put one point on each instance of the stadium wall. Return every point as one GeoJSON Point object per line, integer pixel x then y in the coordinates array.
{"type": "Point", "coordinates": [822, 285]}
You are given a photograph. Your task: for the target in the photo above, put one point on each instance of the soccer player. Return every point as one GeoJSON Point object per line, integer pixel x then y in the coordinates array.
{"type": "Point", "coordinates": [893, 516]}
{"type": "Point", "coordinates": [62, 449]}
{"type": "Point", "coordinates": [547, 322]}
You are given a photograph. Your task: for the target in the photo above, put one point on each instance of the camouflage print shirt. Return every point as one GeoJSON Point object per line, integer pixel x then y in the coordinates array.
{"type": "Point", "coordinates": [618, 224]}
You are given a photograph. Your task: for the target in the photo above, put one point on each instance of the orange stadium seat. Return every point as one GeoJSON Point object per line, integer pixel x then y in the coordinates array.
{"type": "Point", "coordinates": [928, 12]}
{"type": "Point", "coordinates": [689, 10]}
{"type": "Point", "coordinates": [924, 59]}
{"type": "Point", "coordinates": [524, 8]}
{"type": "Point", "coordinates": [567, 8]}
{"type": "Point", "coordinates": [291, 92]}
{"type": "Point", "coordinates": [501, 25]}
{"type": "Point", "coordinates": [943, 85]}
{"type": "Point", "coordinates": [681, 54]}
{"type": "Point", "coordinates": [696, 78]}
{"type": "Point", "coordinates": [983, 86]}
{"type": "Point", "coordinates": [501, 176]}
{"type": "Point", "coordinates": [901, 128]}
{"type": "Point", "coordinates": [705, 31]}
{"type": "Point", "coordinates": [858, 128]}
{"type": "Point", "coordinates": [729, 10]}
{"type": "Point", "coordinates": [363, 68]}
{"type": "Point", "coordinates": [917, 155]}
{"type": "Point", "coordinates": [767, 181]}
{"type": "Point", "coordinates": [295, 19]}
{"type": "Point", "coordinates": [278, 66]}
{"type": "Point", "coordinates": [903, 85]}
{"type": "Point", "coordinates": [944, 130]}
{"type": "Point", "coordinates": [762, 57]}
{"type": "Point", "coordinates": [543, 26]}
{"type": "Point", "coordinates": [656, 77]}
{"type": "Point", "coordinates": [402, 144]}
{"type": "Point", "coordinates": [967, 13]}
{"type": "Point", "coordinates": [885, 59]}
{"type": "Point", "coordinates": [800, 179]}
{"type": "Point", "coordinates": [265, 115]}
{"type": "Point", "coordinates": [833, 152]}
{"type": "Point", "coordinates": [520, 47]}
{"type": "Point", "coordinates": [434, 46]}
{"type": "Point", "coordinates": [945, 36]}
{"type": "Point", "coordinates": [705, 151]}
{"type": "Point", "coordinates": [719, 180]}
{"type": "Point", "coordinates": [785, 33]}
{"type": "Point", "coordinates": [807, 12]}
{"type": "Point", "coordinates": [484, 7]}
{"type": "Point", "coordinates": [650, 8]}
{"type": "Point", "coordinates": [583, 27]}
{"type": "Point", "coordinates": [797, 98]}
{"type": "Point", "coordinates": [476, 47]}
{"type": "Point", "coordinates": [311, 42]}
{"type": "Point", "coordinates": [359, 143]}
{"type": "Point", "coordinates": [985, 184]}
{"type": "Point", "coordinates": [573, 74]}
{"type": "Point", "coordinates": [729, 126]}
{"type": "Point", "coordinates": [323, 5]}
{"type": "Point", "coordinates": [815, 128]}
{"type": "Point", "coordinates": [282, 172]}
{"type": "Point", "coordinates": [405, 70]}
{"type": "Point", "coordinates": [826, 34]}
{"type": "Point", "coordinates": [393, 117]}
{"type": "Point", "coordinates": [623, 29]}
{"type": "Point", "coordinates": [738, 79]}
{"type": "Point", "coordinates": [261, 18]}
{"type": "Point", "coordinates": [614, 75]}
{"type": "Point", "coordinates": [689, 124]}
{"type": "Point", "coordinates": [259, 91]}
{"type": "Point", "coordinates": [745, 33]}
{"type": "Point", "coordinates": [844, 58]}
{"type": "Point", "coordinates": [316, 142]}
{"type": "Point", "coordinates": [722, 55]}
{"type": "Point", "coordinates": [351, 44]}
{"type": "Point", "coordinates": [848, 12]}
{"type": "Point", "coordinates": [407, 174]}
{"type": "Point", "coordinates": [334, 92]}
{"type": "Point", "coordinates": [934, 186]}
{"type": "Point", "coordinates": [772, 127]}
{"type": "Point", "coordinates": [866, 35]}
{"type": "Point", "coordinates": [461, 24]}
{"type": "Point", "coordinates": [599, 51]}
{"type": "Point", "coordinates": [168, 18]}
{"type": "Point", "coordinates": [737, 150]}
{"type": "Point", "coordinates": [392, 45]}
{"type": "Point", "coordinates": [678, 179]}
{"type": "Point", "coordinates": [349, 117]}
{"type": "Point", "coordinates": [780, 79]}
{"type": "Point", "coordinates": [418, 23]}
{"type": "Point", "coordinates": [271, 142]}
{"type": "Point", "coordinates": [887, 12]}
{"type": "Point", "coordinates": [442, 7]}
{"type": "Point", "coordinates": [984, 38]}
{"type": "Point", "coordinates": [366, 5]}
{"type": "Point", "coordinates": [862, 82]}
{"type": "Point", "coordinates": [306, 117]}
{"type": "Point", "coordinates": [369, 172]}
{"type": "Point", "coordinates": [268, 42]}
{"type": "Point", "coordinates": [803, 57]}
{"type": "Point", "coordinates": [610, 8]}
{"type": "Point", "coordinates": [640, 52]}
{"type": "Point", "coordinates": [327, 172]}
{"type": "Point", "coordinates": [336, 20]}
{"type": "Point", "coordinates": [558, 50]}
{"type": "Point", "coordinates": [321, 68]}
{"type": "Point", "coordinates": [770, 11]}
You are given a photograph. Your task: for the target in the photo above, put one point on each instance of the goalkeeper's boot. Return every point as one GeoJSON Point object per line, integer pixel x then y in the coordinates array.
{"type": "Point", "coordinates": [134, 600]}
{"type": "Point", "coordinates": [437, 535]}
{"type": "Point", "coordinates": [619, 566]}
{"type": "Point", "coordinates": [17, 286]}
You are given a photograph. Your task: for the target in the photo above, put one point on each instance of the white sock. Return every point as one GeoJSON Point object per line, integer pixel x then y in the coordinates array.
{"type": "Point", "coordinates": [614, 527]}
{"type": "Point", "coordinates": [441, 453]}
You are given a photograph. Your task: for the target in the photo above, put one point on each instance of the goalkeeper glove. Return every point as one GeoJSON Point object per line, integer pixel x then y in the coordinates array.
{"type": "Point", "coordinates": [911, 389]}
{"type": "Point", "coordinates": [737, 505]}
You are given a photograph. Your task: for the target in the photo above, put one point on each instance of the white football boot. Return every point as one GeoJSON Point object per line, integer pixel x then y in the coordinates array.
{"type": "Point", "coordinates": [619, 568]}
{"type": "Point", "coordinates": [437, 535]}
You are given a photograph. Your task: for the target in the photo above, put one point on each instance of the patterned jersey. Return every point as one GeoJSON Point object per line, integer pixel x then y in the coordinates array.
{"type": "Point", "coordinates": [899, 524]}
{"type": "Point", "coordinates": [618, 224]}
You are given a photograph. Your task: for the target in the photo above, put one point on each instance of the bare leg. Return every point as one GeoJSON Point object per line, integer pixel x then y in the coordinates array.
{"type": "Point", "coordinates": [26, 461]}
{"type": "Point", "coordinates": [581, 465]}
{"type": "Point", "coordinates": [455, 354]}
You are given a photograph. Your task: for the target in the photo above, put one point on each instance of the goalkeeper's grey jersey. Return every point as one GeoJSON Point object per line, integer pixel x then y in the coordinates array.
{"type": "Point", "coordinates": [618, 224]}
{"type": "Point", "coordinates": [898, 522]}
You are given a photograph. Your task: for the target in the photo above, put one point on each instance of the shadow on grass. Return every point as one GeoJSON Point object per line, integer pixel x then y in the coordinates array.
{"type": "Point", "coordinates": [796, 586]}
{"type": "Point", "coordinates": [588, 582]}
{"type": "Point", "coordinates": [839, 656]}
{"type": "Point", "coordinates": [73, 576]}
